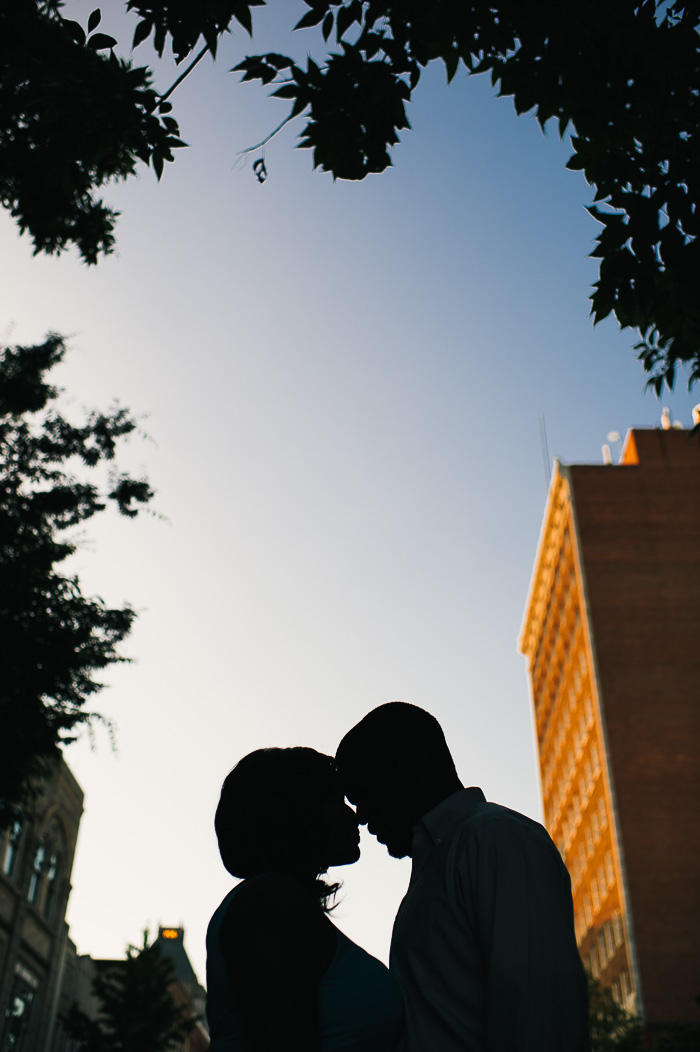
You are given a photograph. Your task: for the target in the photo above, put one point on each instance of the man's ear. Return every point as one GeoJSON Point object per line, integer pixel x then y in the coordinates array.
{"type": "Point", "coordinates": [414, 770]}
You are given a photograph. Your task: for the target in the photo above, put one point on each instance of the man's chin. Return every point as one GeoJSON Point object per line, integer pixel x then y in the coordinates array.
{"type": "Point", "coordinates": [397, 850]}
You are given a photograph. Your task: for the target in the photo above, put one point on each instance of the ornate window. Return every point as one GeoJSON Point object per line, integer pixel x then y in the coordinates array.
{"type": "Point", "coordinates": [44, 882]}
{"type": "Point", "coordinates": [18, 1011]}
{"type": "Point", "coordinates": [10, 850]}
{"type": "Point", "coordinates": [36, 879]}
{"type": "Point", "coordinates": [52, 878]}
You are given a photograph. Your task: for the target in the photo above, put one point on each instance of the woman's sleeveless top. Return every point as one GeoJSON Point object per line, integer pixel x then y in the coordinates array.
{"type": "Point", "coordinates": [360, 1005]}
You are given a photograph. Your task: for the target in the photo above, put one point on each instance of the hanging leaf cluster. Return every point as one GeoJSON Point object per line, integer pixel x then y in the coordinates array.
{"type": "Point", "coordinates": [623, 79]}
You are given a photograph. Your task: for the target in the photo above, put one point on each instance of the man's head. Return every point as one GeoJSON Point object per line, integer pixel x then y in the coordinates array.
{"type": "Point", "coordinates": [395, 766]}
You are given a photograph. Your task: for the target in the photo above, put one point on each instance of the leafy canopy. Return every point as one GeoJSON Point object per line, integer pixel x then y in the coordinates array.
{"type": "Point", "coordinates": [55, 639]}
{"type": "Point", "coordinates": [622, 78]}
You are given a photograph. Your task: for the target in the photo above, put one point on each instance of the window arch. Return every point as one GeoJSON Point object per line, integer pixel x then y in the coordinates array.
{"type": "Point", "coordinates": [47, 870]}
{"type": "Point", "coordinates": [53, 876]}
{"type": "Point", "coordinates": [37, 875]}
{"type": "Point", "coordinates": [10, 848]}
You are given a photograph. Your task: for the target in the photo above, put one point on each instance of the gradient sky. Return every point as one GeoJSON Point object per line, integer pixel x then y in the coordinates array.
{"type": "Point", "coordinates": [342, 385]}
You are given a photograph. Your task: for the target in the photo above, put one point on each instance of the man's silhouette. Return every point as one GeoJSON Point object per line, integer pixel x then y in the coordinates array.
{"type": "Point", "coordinates": [483, 944]}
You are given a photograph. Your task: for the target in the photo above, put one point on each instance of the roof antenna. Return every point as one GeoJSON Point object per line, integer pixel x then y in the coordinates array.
{"type": "Point", "coordinates": [545, 451]}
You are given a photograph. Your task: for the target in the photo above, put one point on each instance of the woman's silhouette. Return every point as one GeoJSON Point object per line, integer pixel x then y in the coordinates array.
{"type": "Point", "coordinates": [280, 975]}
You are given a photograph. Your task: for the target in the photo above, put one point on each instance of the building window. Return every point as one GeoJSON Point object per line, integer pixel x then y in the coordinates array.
{"type": "Point", "coordinates": [616, 992]}
{"type": "Point", "coordinates": [595, 758]}
{"type": "Point", "coordinates": [11, 849]}
{"type": "Point", "coordinates": [595, 894]}
{"type": "Point", "coordinates": [602, 813]}
{"type": "Point", "coordinates": [602, 949]}
{"type": "Point", "coordinates": [18, 1012]}
{"type": "Point", "coordinates": [595, 967]}
{"type": "Point", "coordinates": [587, 910]}
{"type": "Point", "coordinates": [609, 869]}
{"type": "Point", "coordinates": [603, 881]}
{"type": "Point", "coordinates": [594, 826]}
{"type": "Point", "coordinates": [589, 842]}
{"type": "Point", "coordinates": [52, 878]}
{"type": "Point", "coordinates": [625, 987]}
{"type": "Point", "coordinates": [618, 932]}
{"type": "Point", "coordinates": [609, 938]}
{"type": "Point", "coordinates": [588, 705]}
{"type": "Point", "coordinates": [588, 771]}
{"type": "Point", "coordinates": [37, 873]}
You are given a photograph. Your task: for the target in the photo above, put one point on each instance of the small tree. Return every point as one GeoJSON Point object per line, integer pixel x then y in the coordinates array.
{"type": "Point", "coordinates": [613, 1029]}
{"type": "Point", "coordinates": [54, 639]}
{"type": "Point", "coordinates": [137, 1012]}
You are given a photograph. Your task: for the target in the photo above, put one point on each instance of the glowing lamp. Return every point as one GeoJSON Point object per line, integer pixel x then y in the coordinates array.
{"type": "Point", "coordinates": [169, 933]}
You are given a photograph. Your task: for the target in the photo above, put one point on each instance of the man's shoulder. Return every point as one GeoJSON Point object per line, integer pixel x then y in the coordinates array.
{"type": "Point", "coordinates": [495, 820]}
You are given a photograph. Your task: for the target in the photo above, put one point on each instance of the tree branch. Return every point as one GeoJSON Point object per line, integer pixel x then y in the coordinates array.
{"type": "Point", "coordinates": [265, 141]}
{"type": "Point", "coordinates": [186, 73]}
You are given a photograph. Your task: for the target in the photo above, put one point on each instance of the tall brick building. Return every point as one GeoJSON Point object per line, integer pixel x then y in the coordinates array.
{"type": "Point", "coordinates": [612, 638]}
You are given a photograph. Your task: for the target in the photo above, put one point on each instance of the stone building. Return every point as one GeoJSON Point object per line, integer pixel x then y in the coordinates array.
{"type": "Point", "coordinates": [186, 989]}
{"type": "Point", "coordinates": [612, 638]}
{"type": "Point", "coordinates": [36, 859]}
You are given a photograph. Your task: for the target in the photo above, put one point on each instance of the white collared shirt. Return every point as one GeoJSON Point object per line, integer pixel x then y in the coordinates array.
{"type": "Point", "coordinates": [483, 945]}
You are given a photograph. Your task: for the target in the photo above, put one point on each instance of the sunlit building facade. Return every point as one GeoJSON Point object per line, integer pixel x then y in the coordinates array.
{"type": "Point", "coordinates": [612, 638]}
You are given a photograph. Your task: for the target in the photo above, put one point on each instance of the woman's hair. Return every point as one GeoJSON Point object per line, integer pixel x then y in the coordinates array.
{"type": "Point", "coordinates": [270, 815]}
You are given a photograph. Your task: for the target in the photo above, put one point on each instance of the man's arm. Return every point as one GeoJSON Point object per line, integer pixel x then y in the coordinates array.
{"type": "Point", "coordinates": [536, 987]}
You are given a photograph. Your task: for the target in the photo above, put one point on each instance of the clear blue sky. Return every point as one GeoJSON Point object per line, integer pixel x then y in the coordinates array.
{"type": "Point", "coordinates": [343, 384]}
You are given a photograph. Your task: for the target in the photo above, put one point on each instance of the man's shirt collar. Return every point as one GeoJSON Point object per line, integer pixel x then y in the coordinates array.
{"type": "Point", "coordinates": [438, 823]}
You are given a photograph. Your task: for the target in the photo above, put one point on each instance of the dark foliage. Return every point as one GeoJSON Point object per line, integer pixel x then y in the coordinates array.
{"type": "Point", "coordinates": [54, 639]}
{"type": "Point", "coordinates": [622, 78]}
{"type": "Point", "coordinates": [136, 1009]}
{"type": "Point", "coordinates": [73, 116]}
{"type": "Point", "coordinates": [613, 1029]}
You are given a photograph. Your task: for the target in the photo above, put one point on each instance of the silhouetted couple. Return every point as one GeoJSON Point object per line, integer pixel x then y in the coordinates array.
{"type": "Point", "coordinates": [483, 954]}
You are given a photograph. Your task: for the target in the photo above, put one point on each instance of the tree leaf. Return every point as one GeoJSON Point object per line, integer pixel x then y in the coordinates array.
{"type": "Point", "coordinates": [74, 29]}
{"type": "Point", "coordinates": [346, 17]}
{"type": "Point", "coordinates": [100, 41]}
{"type": "Point", "coordinates": [94, 19]}
{"type": "Point", "coordinates": [311, 18]}
{"type": "Point", "coordinates": [243, 16]}
{"type": "Point", "coordinates": [142, 32]}
{"type": "Point", "coordinates": [451, 61]}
